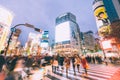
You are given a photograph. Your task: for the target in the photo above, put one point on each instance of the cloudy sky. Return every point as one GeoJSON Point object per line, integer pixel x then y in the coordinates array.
{"type": "Point", "coordinates": [42, 13]}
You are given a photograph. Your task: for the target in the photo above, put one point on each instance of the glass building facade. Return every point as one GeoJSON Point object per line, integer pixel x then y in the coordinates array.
{"type": "Point", "coordinates": [67, 34]}
{"type": "Point", "coordinates": [109, 6]}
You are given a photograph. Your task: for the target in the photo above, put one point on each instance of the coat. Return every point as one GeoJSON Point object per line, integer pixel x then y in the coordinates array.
{"type": "Point", "coordinates": [84, 63]}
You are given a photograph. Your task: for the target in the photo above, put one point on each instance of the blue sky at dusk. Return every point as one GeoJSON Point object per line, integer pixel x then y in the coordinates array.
{"type": "Point", "coordinates": [42, 14]}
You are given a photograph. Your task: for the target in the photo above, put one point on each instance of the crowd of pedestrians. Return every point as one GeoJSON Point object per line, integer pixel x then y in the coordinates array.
{"type": "Point", "coordinates": [35, 68]}
{"type": "Point", "coordinates": [98, 59]}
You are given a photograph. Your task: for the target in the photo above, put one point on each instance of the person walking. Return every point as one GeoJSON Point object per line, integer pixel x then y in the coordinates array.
{"type": "Point", "coordinates": [67, 64]}
{"type": "Point", "coordinates": [106, 61]}
{"type": "Point", "coordinates": [77, 62]}
{"type": "Point", "coordinates": [54, 63]}
{"type": "Point", "coordinates": [73, 64]}
{"type": "Point", "coordinates": [84, 64]}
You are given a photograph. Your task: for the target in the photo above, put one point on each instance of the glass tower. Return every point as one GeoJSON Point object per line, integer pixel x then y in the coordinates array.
{"type": "Point", "coordinates": [67, 34]}
{"type": "Point", "coordinates": [110, 10]}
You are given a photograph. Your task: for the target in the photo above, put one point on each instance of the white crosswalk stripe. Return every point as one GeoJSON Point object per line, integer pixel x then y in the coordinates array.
{"type": "Point", "coordinates": [96, 72]}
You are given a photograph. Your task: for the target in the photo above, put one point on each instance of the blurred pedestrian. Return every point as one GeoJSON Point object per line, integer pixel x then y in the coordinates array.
{"type": "Point", "coordinates": [106, 61]}
{"type": "Point", "coordinates": [84, 64]}
{"type": "Point", "coordinates": [67, 64]}
{"type": "Point", "coordinates": [18, 72]}
{"type": "Point", "coordinates": [77, 62]}
{"type": "Point", "coordinates": [54, 63]}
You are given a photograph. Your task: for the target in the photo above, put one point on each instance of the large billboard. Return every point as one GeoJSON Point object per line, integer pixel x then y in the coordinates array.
{"type": "Point", "coordinates": [6, 18]}
{"type": "Point", "coordinates": [62, 32]}
{"type": "Point", "coordinates": [101, 17]}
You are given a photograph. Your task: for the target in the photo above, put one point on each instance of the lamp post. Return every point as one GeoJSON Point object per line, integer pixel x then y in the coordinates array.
{"type": "Point", "coordinates": [13, 30]}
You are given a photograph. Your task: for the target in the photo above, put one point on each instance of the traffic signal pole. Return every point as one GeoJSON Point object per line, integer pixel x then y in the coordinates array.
{"type": "Point", "coordinates": [8, 43]}
{"type": "Point", "coordinates": [13, 30]}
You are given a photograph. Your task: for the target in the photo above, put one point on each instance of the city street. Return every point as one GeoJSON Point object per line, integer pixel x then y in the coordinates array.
{"type": "Point", "coordinates": [56, 40]}
{"type": "Point", "coordinates": [96, 72]}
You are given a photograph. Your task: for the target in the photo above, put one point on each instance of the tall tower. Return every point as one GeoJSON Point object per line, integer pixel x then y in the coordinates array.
{"type": "Point", "coordinates": [67, 34]}
{"type": "Point", "coordinates": [102, 19]}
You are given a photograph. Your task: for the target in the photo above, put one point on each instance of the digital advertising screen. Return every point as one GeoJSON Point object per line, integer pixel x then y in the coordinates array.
{"type": "Point", "coordinates": [62, 32]}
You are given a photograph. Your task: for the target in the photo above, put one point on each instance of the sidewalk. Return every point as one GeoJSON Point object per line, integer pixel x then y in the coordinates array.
{"type": "Point", "coordinates": [116, 76]}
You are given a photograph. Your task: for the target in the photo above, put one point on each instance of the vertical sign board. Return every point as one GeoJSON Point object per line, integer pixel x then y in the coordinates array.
{"type": "Point", "coordinates": [101, 17]}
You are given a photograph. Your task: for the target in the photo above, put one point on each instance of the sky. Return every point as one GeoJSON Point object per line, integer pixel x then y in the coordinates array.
{"type": "Point", "coordinates": [42, 14]}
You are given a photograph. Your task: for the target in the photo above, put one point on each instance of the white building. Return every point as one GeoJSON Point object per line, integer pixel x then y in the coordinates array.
{"type": "Point", "coordinates": [67, 34]}
{"type": "Point", "coordinates": [6, 17]}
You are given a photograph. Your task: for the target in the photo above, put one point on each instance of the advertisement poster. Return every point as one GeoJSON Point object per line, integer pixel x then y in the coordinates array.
{"type": "Point", "coordinates": [102, 20]}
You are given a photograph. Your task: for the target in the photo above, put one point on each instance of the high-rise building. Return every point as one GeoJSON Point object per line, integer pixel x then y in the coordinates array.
{"type": "Point", "coordinates": [89, 40]}
{"type": "Point", "coordinates": [6, 17]}
{"type": "Point", "coordinates": [106, 11]}
{"type": "Point", "coordinates": [117, 6]}
{"type": "Point", "coordinates": [67, 34]}
{"type": "Point", "coordinates": [110, 9]}
{"type": "Point", "coordinates": [101, 16]}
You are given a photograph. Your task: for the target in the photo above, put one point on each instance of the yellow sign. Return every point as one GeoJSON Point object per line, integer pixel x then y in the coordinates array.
{"type": "Point", "coordinates": [102, 20]}
{"type": "Point", "coordinates": [100, 13]}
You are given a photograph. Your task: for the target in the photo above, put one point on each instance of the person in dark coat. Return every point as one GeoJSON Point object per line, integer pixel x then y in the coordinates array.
{"type": "Point", "coordinates": [2, 60]}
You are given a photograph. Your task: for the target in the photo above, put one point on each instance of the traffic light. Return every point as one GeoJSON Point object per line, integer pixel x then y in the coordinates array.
{"type": "Point", "coordinates": [13, 29]}
{"type": "Point", "coordinates": [38, 30]}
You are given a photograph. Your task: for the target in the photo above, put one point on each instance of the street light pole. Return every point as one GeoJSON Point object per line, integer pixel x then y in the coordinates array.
{"type": "Point", "coordinates": [12, 31]}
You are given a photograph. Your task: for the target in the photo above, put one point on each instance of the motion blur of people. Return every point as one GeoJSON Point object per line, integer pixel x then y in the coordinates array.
{"type": "Point", "coordinates": [2, 64]}
{"type": "Point", "coordinates": [61, 61]}
{"type": "Point", "coordinates": [2, 60]}
{"type": "Point", "coordinates": [84, 64]}
{"type": "Point", "coordinates": [76, 63]}
{"type": "Point", "coordinates": [106, 60]}
{"type": "Point", "coordinates": [54, 63]}
{"type": "Point", "coordinates": [67, 64]}
{"type": "Point", "coordinates": [73, 64]}
{"type": "Point", "coordinates": [18, 72]}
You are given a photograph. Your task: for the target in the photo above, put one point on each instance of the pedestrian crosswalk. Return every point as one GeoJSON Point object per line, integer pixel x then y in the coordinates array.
{"type": "Point", "coordinates": [95, 72]}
